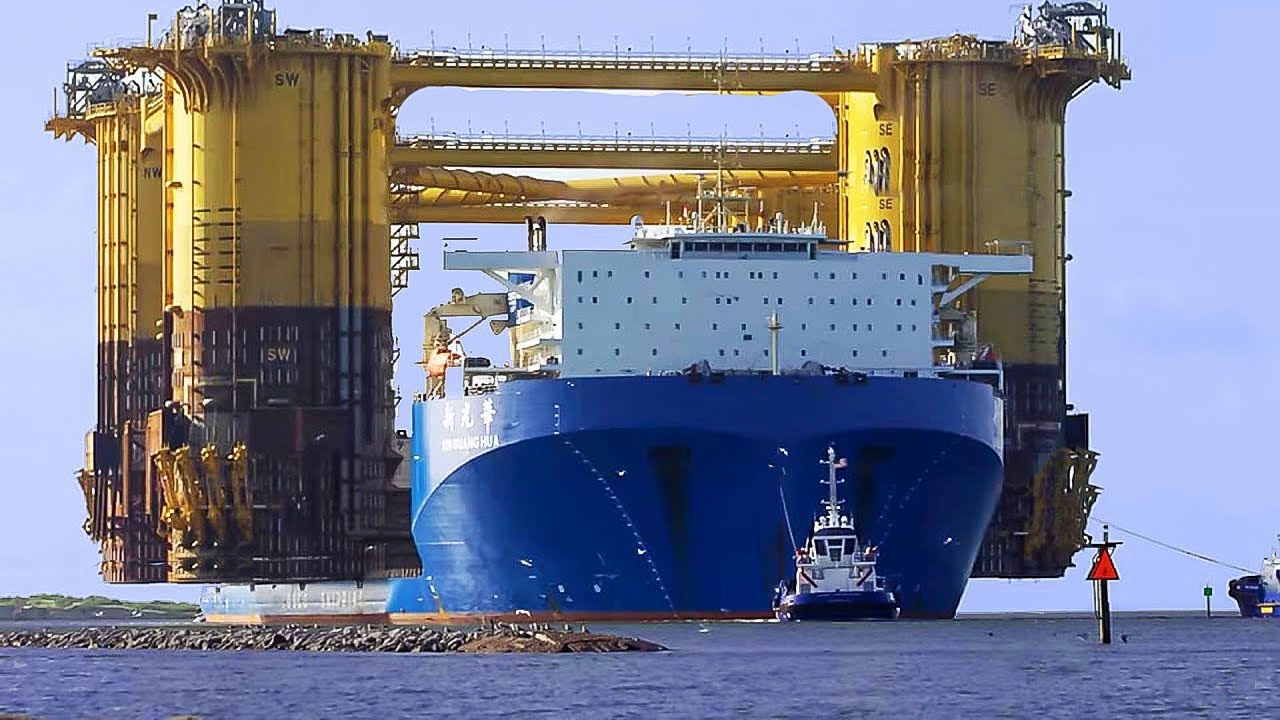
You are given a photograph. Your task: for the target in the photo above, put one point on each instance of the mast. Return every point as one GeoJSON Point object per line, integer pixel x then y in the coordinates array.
{"type": "Point", "coordinates": [833, 501]}
{"type": "Point", "coordinates": [774, 327]}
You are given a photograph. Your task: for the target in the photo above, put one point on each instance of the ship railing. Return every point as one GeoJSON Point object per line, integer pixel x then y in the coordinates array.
{"type": "Point", "coordinates": [675, 231]}
{"type": "Point", "coordinates": [993, 376]}
{"type": "Point", "coordinates": [1008, 247]}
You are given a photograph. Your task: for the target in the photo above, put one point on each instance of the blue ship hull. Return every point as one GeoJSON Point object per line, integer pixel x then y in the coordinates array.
{"type": "Point", "coordinates": [839, 606]}
{"type": "Point", "coordinates": [662, 497]}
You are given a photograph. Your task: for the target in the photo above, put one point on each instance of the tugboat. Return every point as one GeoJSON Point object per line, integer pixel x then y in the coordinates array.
{"type": "Point", "coordinates": [835, 574]}
{"type": "Point", "coordinates": [1259, 595]}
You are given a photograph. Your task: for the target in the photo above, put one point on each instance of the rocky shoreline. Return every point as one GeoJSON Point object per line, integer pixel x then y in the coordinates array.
{"type": "Point", "coordinates": [496, 638]}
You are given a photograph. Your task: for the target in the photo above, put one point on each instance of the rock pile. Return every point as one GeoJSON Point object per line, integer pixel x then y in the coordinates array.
{"type": "Point", "coordinates": [499, 638]}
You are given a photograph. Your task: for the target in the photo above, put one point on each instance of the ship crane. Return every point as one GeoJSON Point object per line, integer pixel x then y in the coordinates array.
{"type": "Point", "coordinates": [440, 345]}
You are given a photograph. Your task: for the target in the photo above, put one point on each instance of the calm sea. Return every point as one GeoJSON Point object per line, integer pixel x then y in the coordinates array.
{"type": "Point", "coordinates": [1170, 666]}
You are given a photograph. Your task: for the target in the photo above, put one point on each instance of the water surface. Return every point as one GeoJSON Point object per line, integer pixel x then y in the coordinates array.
{"type": "Point", "coordinates": [1170, 666]}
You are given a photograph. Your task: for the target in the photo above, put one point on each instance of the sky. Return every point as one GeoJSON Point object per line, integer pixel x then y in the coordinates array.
{"type": "Point", "coordinates": [1172, 343]}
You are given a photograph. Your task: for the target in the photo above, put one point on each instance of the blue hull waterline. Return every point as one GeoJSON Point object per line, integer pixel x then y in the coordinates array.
{"type": "Point", "coordinates": [653, 497]}
{"type": "Point", "coordinates": [838, 606]}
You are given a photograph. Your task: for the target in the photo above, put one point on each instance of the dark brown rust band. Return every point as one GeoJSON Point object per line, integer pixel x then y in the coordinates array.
{"type": "Point", "coordinates": [307, 392]}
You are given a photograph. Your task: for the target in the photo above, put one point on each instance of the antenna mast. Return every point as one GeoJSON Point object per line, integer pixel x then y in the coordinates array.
{"type": "Point", "coordinates": [833, 501]}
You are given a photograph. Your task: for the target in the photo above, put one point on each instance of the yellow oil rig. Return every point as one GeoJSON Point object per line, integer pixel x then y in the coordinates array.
{"type": "Point", "coordinates": [257, 210]}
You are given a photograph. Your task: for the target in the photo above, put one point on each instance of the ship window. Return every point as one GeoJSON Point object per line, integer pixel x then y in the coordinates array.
{"type": "Point", "coordinates": [868, 301]}
{"type": "Point", "coordinates": [717, 301]}
{"type": "Point", "coordinates": [855, 276]}
{"type": "Point", "coordinates": [579, 326]}
{"type": "Point", "coordinates": [902, 276]}
{"type": "Point", "coordinates": [815, 276]}
{"type": "Point", "coordinates": [899, 327]}
{"type": "Point", "coordinates": [766, 353]}
{"type": "Point", "coordinates": [677, 326]}
{"type": "Point", "coordinates": [919, 279]}
{"type": "Point", "coordinates": [884, 276]}
{"type": "Point", "coordinates": [834, 552]}
{"type": "Point", "coordinates": [579, 351]}
{"type": "Point", "coordinates": [655, 352]}
{"type": "Point", "coordinates": [655, 301]}
{"type": "Point", "coordinates": [617, 326]}
{"type": "Point", "coordinates": [628, 299]}
{"type": "Point", "coordinates": [855, 353]}
{"type": "Point", "coordinates": [647, 326]}
{"type": "Point", "coordinates": [610, 273]}
{"type": "Point", "coordinates": [810, 301]}
{"type": "Point", "coordinates": [684, 301]}
{"type": "Point", "coordinates": [832, 326]}
{"type": "Point", "coordinates": [748, 337]}
{"type": "Point", "coordinates": [832, 276]}
{"type": "Point", "coordinates": [804, 353]}
{"type": "Point", "coordinates": [855, 301]}
{"type": "Point", "coordinates": [855, 327]}
{"type": "Point", "coordinates": [899, 302]}
{"type": "Point", "coordinates": [715, 326]}
{"type": "Point", "coordinates": [804, 326]}
{"type": "Point", "coordinates": [721, 352]}
{"type": "Point", "coordinates": [646, 273]}
{"type": "Point", "coordinates": [766, 300]}
{"type": "Point", "coordinates": [579, 276]}
{"type": "Point", "coordinates": [913, 328]}
{"type": "Point", "coordinates": [594, 299]}
{"type": "Point", "coordinates": [704, 273]}
{"type": "Point", "coordinates": [779, 301]}
{"type": "Point", "coordinates": [735, 352]}
{"type": "Point", "coordinates": [884, 353]}
{"type": "Point", "coordinates": [831, 301]}
{"type": "Point", "coordinates": [744, 326]}
{"type": "Point", "coordinates": [850, 545]}
{"type": "Point", "coordinates": [869, 328]}
{"type": "Point", "coordinates": [680, 273]}
{"type": "Point", "coordinates": [820, 546]}
{"type": "Point", "coordinates": [616, 351]}
{"type": "Point", "coordinates": [579, 299]}
{"type": "Point", "coordinates": [595, 273]}
{"type": "Point", "coordinates": [775, 276]}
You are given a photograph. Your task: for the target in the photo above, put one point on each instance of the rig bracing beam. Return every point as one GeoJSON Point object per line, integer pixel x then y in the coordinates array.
{"type": "Point", "coordinates": [706, 72]}
{"type": "Point", "coordinates": [620, 152]}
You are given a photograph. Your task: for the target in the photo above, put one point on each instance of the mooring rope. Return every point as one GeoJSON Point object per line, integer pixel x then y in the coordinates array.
{"type": "Point", "coordinates": [1168, 546]}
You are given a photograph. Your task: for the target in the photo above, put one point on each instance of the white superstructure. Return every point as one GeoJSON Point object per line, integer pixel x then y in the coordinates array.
{"type": "Point", "coordinates": [677, 298]}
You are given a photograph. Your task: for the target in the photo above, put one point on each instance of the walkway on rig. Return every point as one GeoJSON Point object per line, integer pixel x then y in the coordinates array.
{"type": "Point", "coordinates": [614, 152]}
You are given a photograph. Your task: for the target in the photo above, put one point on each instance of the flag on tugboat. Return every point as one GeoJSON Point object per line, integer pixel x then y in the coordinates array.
{"type": "Point", "coordinates": [842, 462]}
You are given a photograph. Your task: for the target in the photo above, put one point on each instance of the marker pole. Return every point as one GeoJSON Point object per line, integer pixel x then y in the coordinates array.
{"type": "Point", "coordinates": [1104, 612]}
{"type": "Point", "coordinates": [1104, 571]}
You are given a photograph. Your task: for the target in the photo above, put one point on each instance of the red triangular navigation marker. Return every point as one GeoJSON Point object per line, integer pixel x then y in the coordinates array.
{"type": "Point", "coordinates": [1103, 567]}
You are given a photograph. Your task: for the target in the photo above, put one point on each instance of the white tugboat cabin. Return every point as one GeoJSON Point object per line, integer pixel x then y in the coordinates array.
{"type": "Point", "coordinates": [835, 573]}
